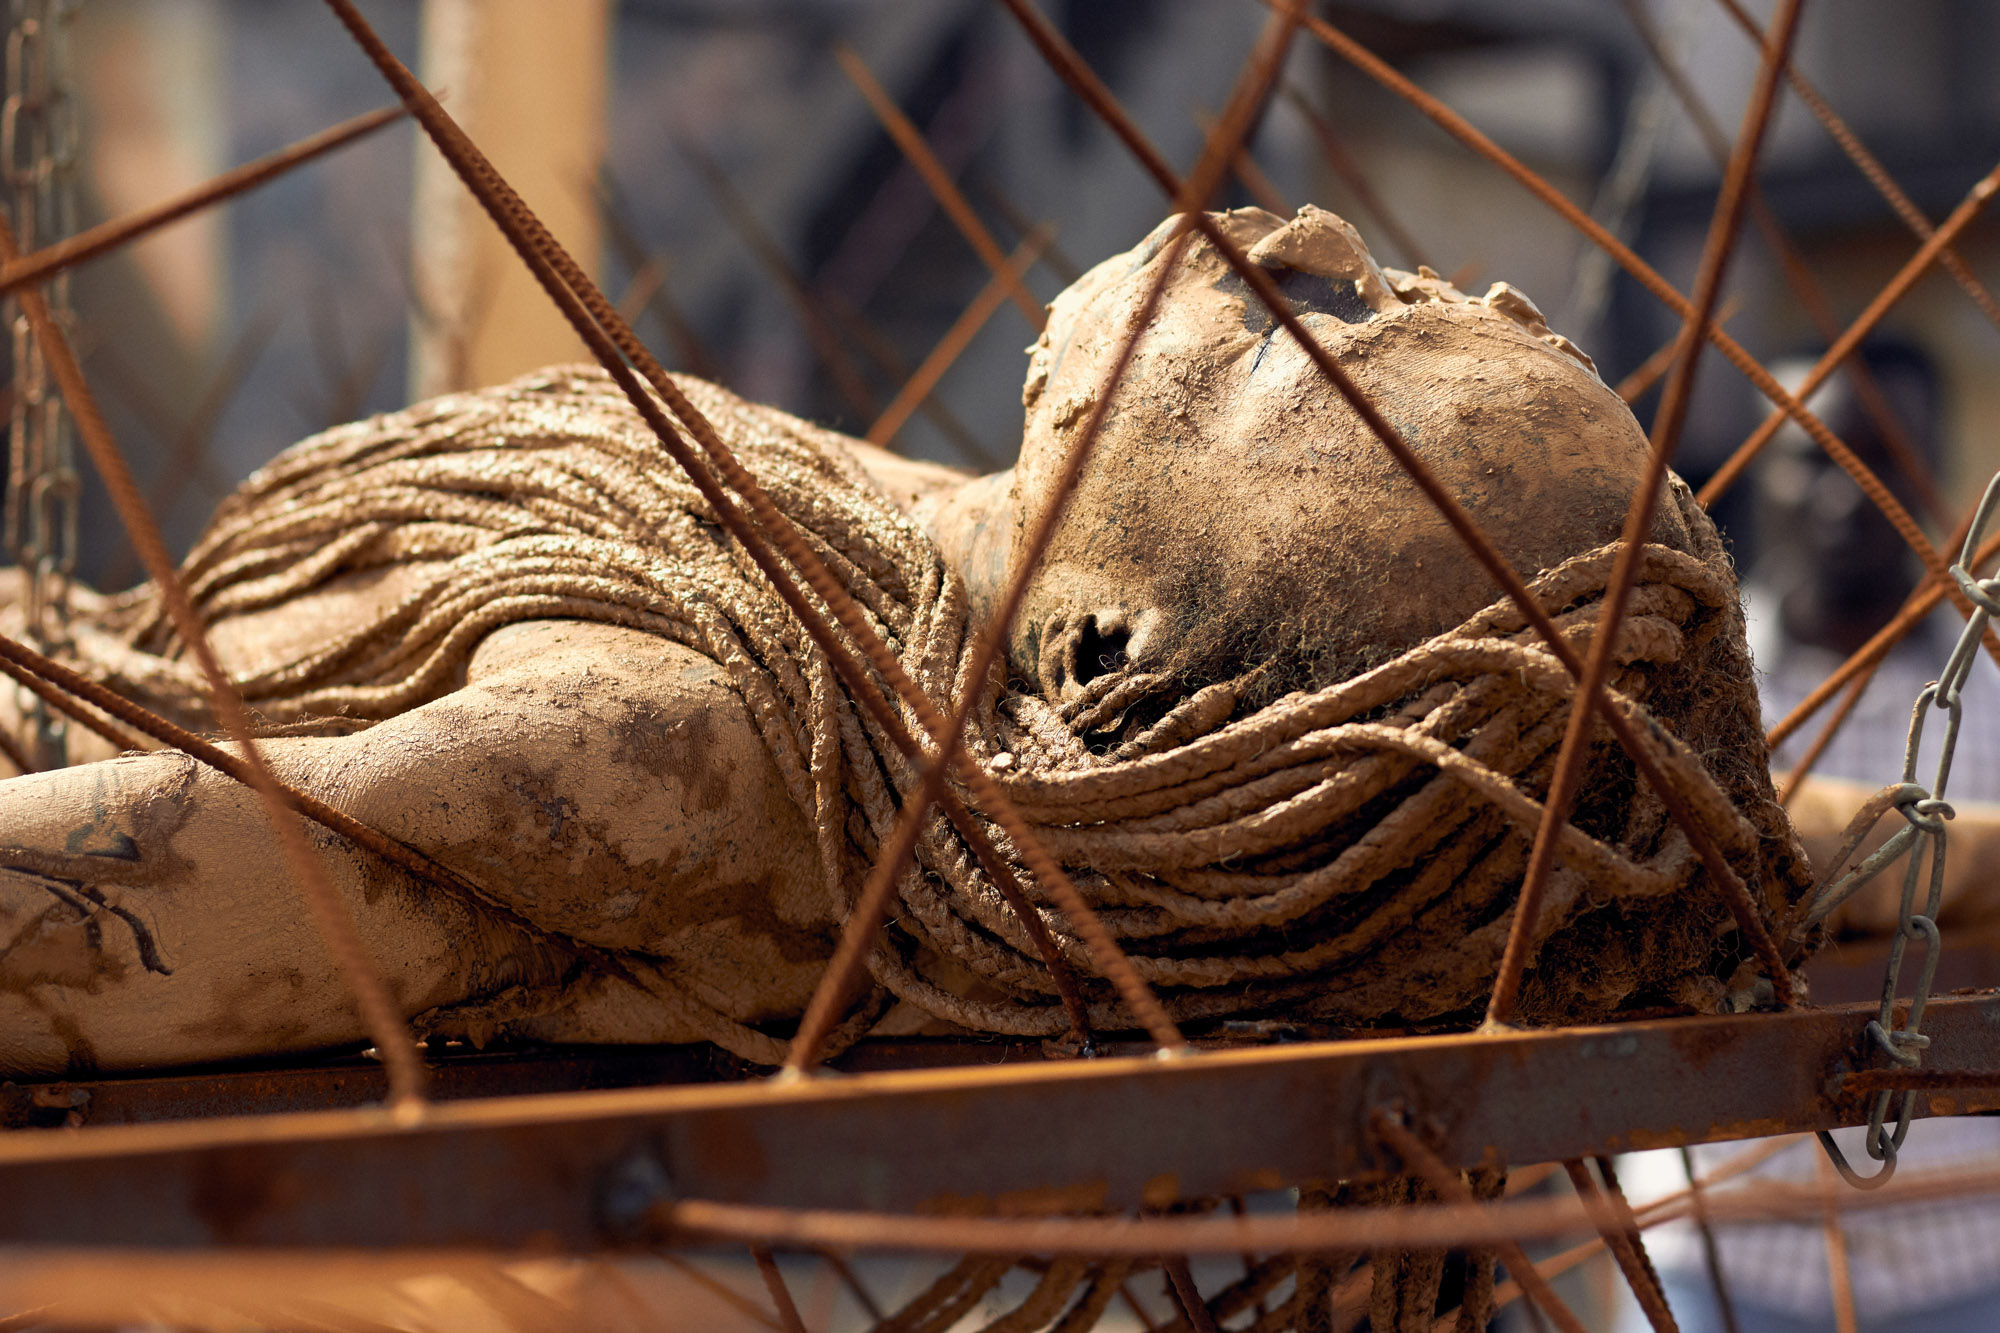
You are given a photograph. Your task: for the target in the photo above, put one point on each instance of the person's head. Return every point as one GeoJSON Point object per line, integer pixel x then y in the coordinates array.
{"type": "Point", "coordinates": [1836, 565]}
{"type": "Point", "coordinates": [1237, 512]}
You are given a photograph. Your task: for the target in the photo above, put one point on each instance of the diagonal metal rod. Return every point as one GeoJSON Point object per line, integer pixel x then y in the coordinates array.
{"type": "Point", "coordinates": [1803, 769]}
{"type": "Point", "coordinates": [781, 1295]}
{"type": "Point", "coordinates": [694, 357]}
{"type": "Point", "coordinates": [188, 455]}
{"type": "Point", "coordinates": [1920, 604]}
{"type": "Point", "coordinates": [1643, 1278]}
{"type": "Point", "coordinates": [1711, 1253]}
{"type": "Point", "coordinates": [919, 387]}
{"type": "Point", "coordinates": [770, 257]}
{"type": "Point", "coordinates": [49, 260]}
{"type": "Point", "coordinates": [1871, 167]}
{"type": "Point", "coordinates": [862, 925]}
{"type": "Point", "coordinates": [380, 1016]}
{"type": "Point", "coordinates": [1654, 368]}
{"type": "Point", "coordinates": [1187, 1295]}
{"type": "Point", "coordinates": [1618, 1243]}
{"type": "Point", "coordinates": [1913, 270]}
{"type": "Point", "coordinates": [879, 350]}
{"type": "Point", "coordinates": [1811, 296]}
{"type": "Point", "coordinates": [1397, 1137]}
{"type": "Point", "coordinates": [942, 187]}
{"type": "Point", "coordinates": [1074, 71]}
{"type": "Point", "coordinates": [1722, 233]}
{"type": "Point", "coordinates": [721, 478]}
{"type": "Point", "coordinates": [1244, 167]}
{"type": "Point", "coordinates": [1459, 128]}
{"type": "Point", "coordinates": [1065, 269]}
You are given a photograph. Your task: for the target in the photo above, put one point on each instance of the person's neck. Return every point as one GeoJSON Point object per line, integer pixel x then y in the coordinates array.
{"type": "Point", "coordinates": [973, 526]}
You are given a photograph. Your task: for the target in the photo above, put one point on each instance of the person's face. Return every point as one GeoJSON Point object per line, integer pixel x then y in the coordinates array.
{"type": "Point", "coordinates": [1236, 510]}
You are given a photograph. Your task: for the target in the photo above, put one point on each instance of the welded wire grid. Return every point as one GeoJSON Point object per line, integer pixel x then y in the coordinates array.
{"type": "Point", "coordinates": [1286, 1271]}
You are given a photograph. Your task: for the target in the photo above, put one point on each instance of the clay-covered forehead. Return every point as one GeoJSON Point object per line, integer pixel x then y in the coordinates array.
{"type": "Point", "coordinates": [1233, 491]}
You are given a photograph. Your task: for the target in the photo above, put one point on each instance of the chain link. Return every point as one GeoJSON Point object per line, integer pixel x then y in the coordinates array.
{"type": "Point", "coordinates": [38, 151]}
{"type": "Point", "coordinates": [1925, 812]}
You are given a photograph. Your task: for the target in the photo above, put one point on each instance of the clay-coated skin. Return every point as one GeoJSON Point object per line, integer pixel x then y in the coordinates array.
{"type": "Point", "coordinates": [608, 788]}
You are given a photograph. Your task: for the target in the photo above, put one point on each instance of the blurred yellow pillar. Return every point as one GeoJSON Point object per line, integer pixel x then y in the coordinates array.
{"type": "Point", "coordinates": [527, 80]}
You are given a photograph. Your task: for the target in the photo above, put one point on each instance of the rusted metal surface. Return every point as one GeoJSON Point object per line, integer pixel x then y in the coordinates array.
{"type": "Point", "coordinates": [574, 1169]}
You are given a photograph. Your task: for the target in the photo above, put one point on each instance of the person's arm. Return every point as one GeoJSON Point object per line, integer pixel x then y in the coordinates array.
{"type": "Point", "coordinates": [602, 784]}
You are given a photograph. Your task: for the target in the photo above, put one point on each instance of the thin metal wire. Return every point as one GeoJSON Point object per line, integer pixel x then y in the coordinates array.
{"type": "Point", "coordinates": [942, 187]}
{"type": "Point", "coordinates": [1927, 812]}
{"type": "Point", "coordinates": [1722, 234]}
{"type": "Point", "coordinates": [1085, 83]}
{"type": "Point", "coordinates": [380, 1016]}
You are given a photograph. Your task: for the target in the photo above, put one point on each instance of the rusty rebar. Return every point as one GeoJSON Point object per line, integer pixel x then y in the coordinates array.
{"type": "Point", "coordinates": [1899, 286]}
{"type": "Point", "coordinates": [1803, 769]}
{"type": "Point", "coordinates": [924, 380]}
{"type": "Point", "coordinates": [49, 260]}
{"type": "Point", "coordinates": [1711, 1253]}
{"type": "Point", "coordinates": [1088, 87]}
{"type": "Point", "coordinates": [610, 340]}
{"type": "Point", "coordinates": [1615, 1224]}
{"type": "Point", "coordinates": [1920, 604]}
{"type": "Point", "coordinates": [1389, 1129]}
{"type": "Point", "coordinates": [63, 703]}
{"type": "Point", "coordinates": [1187, 1295]}
{"type": "Point", "coordinates": [380, 1016]}
{"type": "Point", "coordinates": [1654, 368]}
{"type": "Point", "coordinates": [1723, 230]}
{"type": "Point", "coordinates": [1877, 175]}
{"type": "Point", "coordinates": [781, 1295]}
{"type": "Point", "coordinates": [1248, 174]}
{"type": "Point", "coordinates": [938, 180]}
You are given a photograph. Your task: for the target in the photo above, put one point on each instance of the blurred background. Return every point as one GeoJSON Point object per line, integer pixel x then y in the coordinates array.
{"type": "Point", "coordinates": [717, 162]}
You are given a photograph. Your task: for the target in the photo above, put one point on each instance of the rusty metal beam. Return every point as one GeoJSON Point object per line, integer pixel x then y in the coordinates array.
{"type": "Point", "coordinates": [565, 1168]}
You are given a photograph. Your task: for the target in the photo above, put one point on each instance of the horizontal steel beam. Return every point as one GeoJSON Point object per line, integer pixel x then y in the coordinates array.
{"type": "Point", "coordinates": [575, 1169]}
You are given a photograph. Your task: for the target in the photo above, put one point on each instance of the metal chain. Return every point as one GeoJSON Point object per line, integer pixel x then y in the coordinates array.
{"type": "Point", "coordinates": [1925, 811]}
{"type": "Point", "coordinates": [38, 153]}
